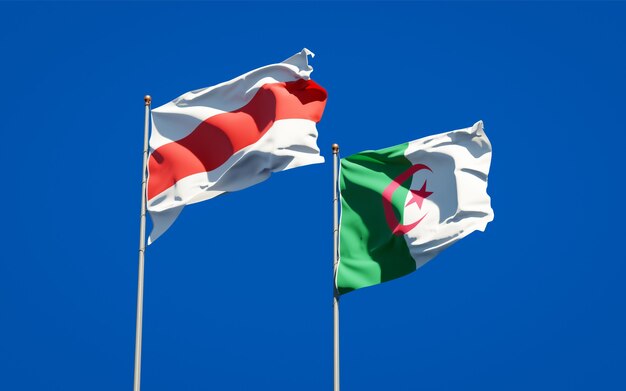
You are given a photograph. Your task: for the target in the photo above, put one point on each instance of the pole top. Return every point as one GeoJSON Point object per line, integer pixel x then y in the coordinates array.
{"type": "Point", "coordinates": [147, 99]}
{"type": "Point", "coordinates": [335, 148]}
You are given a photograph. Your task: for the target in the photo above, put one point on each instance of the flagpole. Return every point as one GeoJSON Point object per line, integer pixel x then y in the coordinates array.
{"type": "Point", "coordinates": [142, 248]}
{"type": "Point", "coordinates": [335, 261]}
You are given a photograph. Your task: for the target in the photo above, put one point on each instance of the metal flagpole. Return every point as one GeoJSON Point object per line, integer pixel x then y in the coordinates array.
{"type": "Point", "coordinates": [335, 261]}
{"type": "Point", "coordinates": [142, 248]}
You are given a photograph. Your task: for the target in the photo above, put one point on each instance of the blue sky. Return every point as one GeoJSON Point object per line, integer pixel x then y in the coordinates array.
{"type": "Point", "coordinates": [238, 293]}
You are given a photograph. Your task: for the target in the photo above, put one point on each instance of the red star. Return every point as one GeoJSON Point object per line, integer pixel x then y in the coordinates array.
{"type": "Point", "coordinates": [419, 196]}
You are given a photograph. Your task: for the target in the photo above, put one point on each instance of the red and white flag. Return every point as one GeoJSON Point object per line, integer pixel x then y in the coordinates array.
{"type": "Point", "coordinates": [231, 136]}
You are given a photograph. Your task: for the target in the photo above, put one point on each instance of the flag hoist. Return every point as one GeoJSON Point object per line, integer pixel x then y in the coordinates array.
{"type": "Point", "coordinates": [142, 247]}
{"type": "Point", "coordinates": [335, 262]}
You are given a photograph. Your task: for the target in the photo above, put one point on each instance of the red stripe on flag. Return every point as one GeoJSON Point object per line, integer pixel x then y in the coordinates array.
{"type": "Point", "coordinates": [219, 137]}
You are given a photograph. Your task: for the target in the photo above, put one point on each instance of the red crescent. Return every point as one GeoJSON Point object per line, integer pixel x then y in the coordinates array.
{"type": "Point", "coordinates": [397, 228]}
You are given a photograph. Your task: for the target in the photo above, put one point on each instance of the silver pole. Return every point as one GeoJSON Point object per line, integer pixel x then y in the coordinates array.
{"type": "Point", "coordinates": [335, 261]}
{"type": "Point", "coordinates": [142, 248]}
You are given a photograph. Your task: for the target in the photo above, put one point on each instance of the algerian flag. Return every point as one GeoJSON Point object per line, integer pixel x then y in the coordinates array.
{"type": "Point", "coordinates": [401, 206]}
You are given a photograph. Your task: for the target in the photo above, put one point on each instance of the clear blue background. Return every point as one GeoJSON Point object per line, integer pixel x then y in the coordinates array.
{"type": "Point", "coordinates": [238, 293]}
